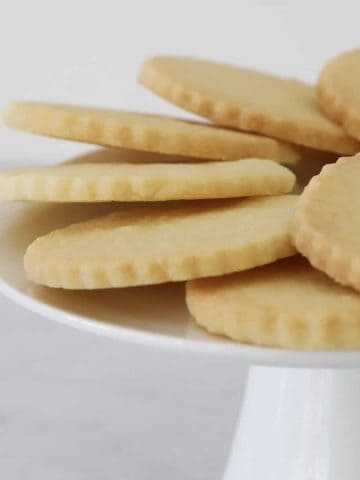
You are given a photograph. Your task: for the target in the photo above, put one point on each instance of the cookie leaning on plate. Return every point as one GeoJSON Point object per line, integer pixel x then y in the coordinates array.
{"type": "Point", "coordinates": [246, 99]}
{"type": "Point", "coordinates": [326, 225]}
{"type": "Point", "coordinates": [286, 304]}
{"type": "Point", "coordinates": [156, 244]}
{"type": "Point", "coordinates": [146, 182]}
{"type": "Point", "coordinates": [339, 91]}
{"type": "Point", "coordinates": [140, 131]}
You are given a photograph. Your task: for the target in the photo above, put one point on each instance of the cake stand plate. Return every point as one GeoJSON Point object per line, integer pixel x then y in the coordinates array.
{"type": "Point", "coordinates": [300, 416]}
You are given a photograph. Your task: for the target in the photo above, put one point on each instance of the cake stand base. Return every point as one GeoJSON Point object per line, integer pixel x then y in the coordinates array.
{"type": "Point", "coordinates": [298, 424]}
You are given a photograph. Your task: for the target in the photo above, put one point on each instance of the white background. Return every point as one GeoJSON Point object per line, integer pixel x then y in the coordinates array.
{"type": "Point", "coordinates": [74, 406]}
{"type": "Point", "coordinates": [89, 52]}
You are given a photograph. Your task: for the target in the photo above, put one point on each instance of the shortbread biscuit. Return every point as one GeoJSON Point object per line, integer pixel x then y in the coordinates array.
{"type": "Point", "coordinates": [140, 131]}
{"type": "Point", "coordinates": [339, 92]}
{"type": "Point", "coordinates": [326, 226]}
{"type": "Point", "coordinates": [246, 99]}
{"type": "Point", "coordinates": [286, 304]}
{"type": "Point", "coordinates": [104, 182]}
{"type": "Point", "coordinates": [156, 244]}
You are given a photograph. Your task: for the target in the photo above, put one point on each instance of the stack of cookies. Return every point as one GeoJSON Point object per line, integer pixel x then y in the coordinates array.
{"type": "Point", "coordinates": [214, 204]}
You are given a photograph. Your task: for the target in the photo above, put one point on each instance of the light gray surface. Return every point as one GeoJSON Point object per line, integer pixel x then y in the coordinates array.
{"type": "Point", "coordinates": [89, 52]}
{"type": "Point", "coordinates": [77, 406]}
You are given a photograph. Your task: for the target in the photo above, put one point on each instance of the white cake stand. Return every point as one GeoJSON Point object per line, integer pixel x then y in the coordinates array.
{"type": "Point", "coordinates": [300, 419]}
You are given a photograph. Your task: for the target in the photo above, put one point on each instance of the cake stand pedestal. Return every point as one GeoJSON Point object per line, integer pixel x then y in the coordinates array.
{"type": "Point", "coordinates": [298, 424]}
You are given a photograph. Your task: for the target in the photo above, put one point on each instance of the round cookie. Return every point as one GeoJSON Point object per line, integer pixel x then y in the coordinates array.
{"type": "Point", "coordinates": [326, 225]}
{"type": "Point", "coordinates": [246, 99]}
{"type": "Point", "coordinates": [140, 131]}
{"type": "Point", "coordinates": [161, 243]}
{"type": "Point", "coordinates": [286, 304]}
{"type": "Point", "coordinates": [339, 92]}
{"type": "Point", "coordinates": [131, 182]}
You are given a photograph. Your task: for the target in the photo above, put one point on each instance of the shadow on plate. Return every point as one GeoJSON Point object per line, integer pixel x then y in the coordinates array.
{"type": "Point", "coordinates": [310, 164]}
{"type": "Point", "coordinates": [123, 155]}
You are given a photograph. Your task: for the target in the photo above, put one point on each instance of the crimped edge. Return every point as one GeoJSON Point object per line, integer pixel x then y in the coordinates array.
{"type": "Point", "coordinates": [93, 274]}
{"type": "Point", "coordinates": [333, 106]}
{"type": "Point", "coordinates": [225, 113]}
{"type": "Point", "coordinates": [271, 328]}
{"type": "Point", "coordinates": [321, 251]}
{"type": "Point", "coordinates": [45, 187]}
{"type": "Point", "coordinates": [84, 127]}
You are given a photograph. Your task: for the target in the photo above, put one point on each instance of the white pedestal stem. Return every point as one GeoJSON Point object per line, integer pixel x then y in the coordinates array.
{"type": "Point", "coordinates": [298, 424]}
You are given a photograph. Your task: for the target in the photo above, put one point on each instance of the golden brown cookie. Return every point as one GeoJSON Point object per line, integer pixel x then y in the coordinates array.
{"type": "Point", "coordinates": [339, 91]}
{"type": "Point", "coordinates": [140, 131]}
{"type": "Point", "coordinates": [246, 99]}
{"type": "Point", "coordinates": [326, 226]}
{"type": "Point", "coordinates": [161, 243]}
{"type": "Point", "coordinates": [287, 304]}
{"type": "Point", "coordinates": [129, 182]}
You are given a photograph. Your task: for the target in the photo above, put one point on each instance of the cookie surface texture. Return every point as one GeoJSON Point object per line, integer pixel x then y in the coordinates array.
{"type": "Point", "coordinates": [146, 182]}
{"type": "Point", "coordinates": [326, 226]}
{"type": "Point", "coordinates": [248, 100]}
{"type": "Point", "coordinates": [286, 304]}
{"type": "Point", "coordinates": [154, 133]}
{"type": "Point", "coordinates": [156, 244]}
{"type": "Point", "coordinates": [339, 91]}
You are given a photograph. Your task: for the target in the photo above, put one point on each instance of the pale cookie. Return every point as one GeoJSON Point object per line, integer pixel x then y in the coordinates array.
{"type": "Point", "coordinates": [287, 304]}
{"type": "Point", "coordinates": [326, 226]}
{"type": "Point", "coordinates": [246, 99]}
{"type": "Point", "coordinates": [141, 131]}
{"type": "Point", "coordinates": [161, 243]}
{"type": "Point", "coordinates": [104, 182]}
{"type": "Point", "coordinates": [339, 91]}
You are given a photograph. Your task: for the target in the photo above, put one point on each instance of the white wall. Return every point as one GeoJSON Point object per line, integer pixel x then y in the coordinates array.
{"type": "Point", "coordinates": [89, 51]}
